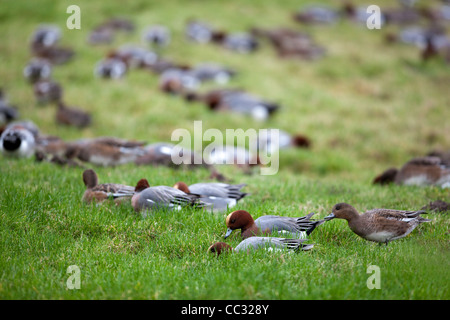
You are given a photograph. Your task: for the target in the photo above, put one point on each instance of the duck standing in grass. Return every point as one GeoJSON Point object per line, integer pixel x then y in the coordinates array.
{"type": "Point", "coordinates": [100, 192]}
{"type": "Point", "coordinates": [378, 225]}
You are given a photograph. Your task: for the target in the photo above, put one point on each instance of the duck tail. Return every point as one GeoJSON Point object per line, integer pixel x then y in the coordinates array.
{"type": "Point", "coordinates": [314, 225]}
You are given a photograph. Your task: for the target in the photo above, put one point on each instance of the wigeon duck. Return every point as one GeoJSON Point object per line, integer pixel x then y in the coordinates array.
{"type": "Point", "coordinates": [239, 156]}
{"type": "Point", "coordinates": [110, 68]}
{"type": "Point", "coordinates": [177, 81]}
{"type": "Point", "coordinates": [285, 140]}
{"type": "Point", "coordinates": [199, 32]}
{"type": "Point", "coordinates": [236, 100]}
{"type": "Point", "coordinates": [100, 192]}
{"type": "Point", "coordinates": [72, 116]}
{"type": "Point", "coordinates": [134, 56]}
{"type": "Point", "coordinates": [46, 35]}
{"type": "Point", "coordinates": [378, 225]}
{"type": "Point", "coordinates": [254, 243]}
{"type": "Point", "coordinates": [43, 45]}
{"type": "Point", "coordinates": [17, 141]}
{"type": "Point", "coordinates": [162, 197]}
{"type": "Point", "coordinates": [105, 151]}
{"type": "Point", "coordinates": [316, 14]}
{"type": "Point", "coordinates": [242, 42]}
{"type": "Point", "coordinates": [157, 35]}
{"type": "Point", "coordinates": [37, 69]}
{"type": "Point", "coordinates": [211, 71]}
{"type": "Point", "coordinates": [47, 91]}
{"type": "Point", "coordinates": [161, 65]}
{"type": "Point", "coordinates": [100, 35]}
{"type": "Point", "coordinates": [8, 112]}
{"type": "Point", "coordinates": [55, 55]}
{"type": "Point", "coordinates": [421, 171]}
{"type": "Point", "coordinates": [117, 24]}
{"type": "Point", "coordinates": [220, 196]}
{"type": "Point", "coordinates": [291, 43]}
{"type": "Point", "coordinates": [160, 153]}
{"type": "Point", "coordinates": [104, 32]}
{"type": "Point", "coordinates": [437, 206]}
{"type": "Point", "coordinates": [241, 219]}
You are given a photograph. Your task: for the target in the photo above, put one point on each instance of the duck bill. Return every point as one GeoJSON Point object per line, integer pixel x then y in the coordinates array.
{"type": "Point", "coordinates": [229, 231]}
{"type": "Point", "coordinates": [329, 217]}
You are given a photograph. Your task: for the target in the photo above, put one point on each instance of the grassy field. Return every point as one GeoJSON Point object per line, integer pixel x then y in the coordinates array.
{"type": "Point", "coordinates": [366, 106]}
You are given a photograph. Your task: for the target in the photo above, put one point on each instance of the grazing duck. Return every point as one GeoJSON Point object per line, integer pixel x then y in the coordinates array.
{"type": "Point", "coordinates": [56, 55]}
{"type": "Point", "coordinates": [437, 206]}
{"type": "Point", "coordinates": [220, 196]}
{"type": "Point", "coordinates": [240, 42]}
{"type": "Point", "coordinates": [17, 141]}
{"type": "Point", "coordinates": [423, 171]}
{"type": "Point", "coordinates": [162, 197]}
{"type": "Point", "coordinates": [269, 141]}
{"type": "Point", "coordinates": [235, 100]}
{"type": "Point", "coordinates": [105, 151]}
{"type": "Point", "coordinates": [211, 71]}
{"type": "Point", "coordinates": [254, 243]}
{"type": "Point", "coordinates": [110, 68]}
{"type": "Point", "coordinates": [316, 14]}
{"type": "Point", "coordinates": [37, 69]}
{"type": "Point", "coordinates": [241, 219]}
{"type": "Point", "coordinates": [291, 43]}
{"type": "Point", "coordinates": [239, 156]}
{"type": "Point", "coordinates": [100, 35]}
{"type": "Point", "coordinates": [118, 24]}
{"type": "Point", "coordinates": [72, 116]}
{"type": "Point", "coordinates": [134, 56]}
{"type": "Point", "coordinates": [156, 35]}
{"type": "Point", "coordinates": [199, 32]}
{"type": "Point", "coordinates": [378, 225]}
{"type": "Point", "coordinates": [104, 32]}
{"type": "Point", "coordinates": [100, 192]}
{"type": "Point", "coordinates": [44, 45]}
{"type": "Point", "coordinates": [47, 91]}
{"type": "Point", "coordinates": [45, 35]}
{"type": "Point", "coordinates": [177, 81]}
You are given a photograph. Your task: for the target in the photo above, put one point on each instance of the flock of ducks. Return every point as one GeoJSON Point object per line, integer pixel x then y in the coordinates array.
{"type": "Point", "coordinates": [24, 139]}
{"type": "Point", "coordinates": [377, 225]}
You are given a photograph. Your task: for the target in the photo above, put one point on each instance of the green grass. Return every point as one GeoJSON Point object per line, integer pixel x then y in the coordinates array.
{"type": "Point", "coordinates": [366, 106]}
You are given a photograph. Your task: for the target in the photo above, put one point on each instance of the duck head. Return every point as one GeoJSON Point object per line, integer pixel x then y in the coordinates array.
{"type": "Point", "coordinates": [141, 185]}
{"type": "Point", "coordinates": [180, 185]}
{"type": "Point", "coordinates": [219, 247]}
{"type": "Point", "coordinates": [342, 211]}
{"type": "Point", "coordinates": [90, 178]}
{"type": "Point", "coordinates": [239, 219]}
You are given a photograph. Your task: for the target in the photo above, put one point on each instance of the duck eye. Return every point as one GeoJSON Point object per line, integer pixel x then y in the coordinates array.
{"type": "Point", "coordinates": [338, 207]}
{"type": "Point", "coordinates": [233, 220]}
